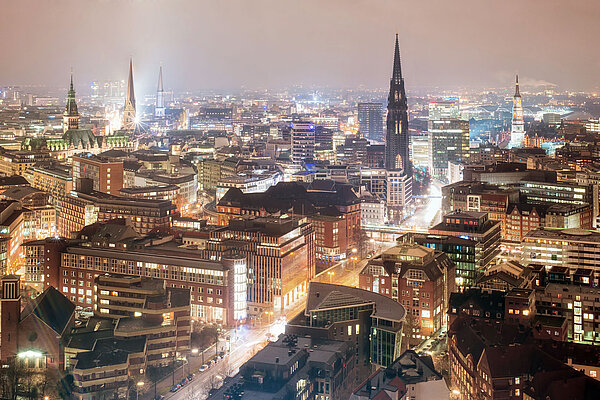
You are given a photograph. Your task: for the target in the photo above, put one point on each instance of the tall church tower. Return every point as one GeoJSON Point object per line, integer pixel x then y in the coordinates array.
{"type": "Point", "coordinates": [397, 139]}
{"type": "Point", "coordinates": [397, 162]}
{"type": "Point", "coordinates": [159, 110]}
{"type": "Point", "coordinates": [517, 130]}
{"type": "Point", "coordinates": [129, 117]}
{"type": "Point", "coordinates": [10, 314]}
{"type": "Point", "coordinates": [70, 116]}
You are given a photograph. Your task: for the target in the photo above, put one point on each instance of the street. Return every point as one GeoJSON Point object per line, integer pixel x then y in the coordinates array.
{"type": "Point", "coordinates": [245, 342]}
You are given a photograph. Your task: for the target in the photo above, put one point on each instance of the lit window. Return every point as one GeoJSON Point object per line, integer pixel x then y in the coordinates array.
{"type": "Point", "coordinates": [593, 374]}
{"type": "Point", "coordinates": [517, 381]}
{"type": "Point", "coordinates": [526, 312]}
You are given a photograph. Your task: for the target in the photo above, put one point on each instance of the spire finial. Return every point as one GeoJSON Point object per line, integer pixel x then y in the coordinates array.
{"type": "Point", "coordinates": [517, 93]}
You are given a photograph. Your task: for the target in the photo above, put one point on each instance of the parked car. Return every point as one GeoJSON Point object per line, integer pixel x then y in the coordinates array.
{"type": "Point", "coordinates": [203, 368]}
{"type": "Point", "coordinates": [190, 377]}
{"type": "Point", "coordinates": [175, 388]}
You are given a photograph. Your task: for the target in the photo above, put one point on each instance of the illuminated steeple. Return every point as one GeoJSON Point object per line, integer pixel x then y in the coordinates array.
{"type": "Point", "coordinates": [129, 114]}
{"type": "Point", "coordinates": [71, 115]}
{"type": "Point", "coordinates": [159, 110]}
{"type": "Point", "coordinates": [517, 130]}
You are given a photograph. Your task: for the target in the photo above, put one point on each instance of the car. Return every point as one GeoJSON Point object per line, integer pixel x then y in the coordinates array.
{"type": "Point", "coordinates": [183, 382]}
{"type": "Point", "coordinates": [190, 377]}
{"type": "Point", "coordinates": [175, 388]}
{"type": "Point", "coordinates": [159, 397]}
{"type": "Point", "coordinates": [203, 368]}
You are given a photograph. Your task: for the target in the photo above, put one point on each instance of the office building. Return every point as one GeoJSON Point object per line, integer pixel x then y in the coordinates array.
{"type": "Point", "coordinates": [86, 206]}
{"type": "Point", "coordinates": [303, 142]}
{"type": "Point", "coordinates": [567, 248]}
{"type": "Point", "coordinates": [474, 226]}
{"type": "Point", "coordinates": [146, 306]}
{"type": "Point", "coordinates": [53, 178]}
{"type": "Point", "coordinates": [444, 109]}
{"type": "Point", "coordinates": [448, 142]}
{"type": "Point", "coordinates": [461, 251]}
{"type": "Point", "coordinates": [106, 175]}
{"type": "Point", "coordinates": [370, 120]}
{"type": "Point", "coordinates": [419, 278]}
{"type": "Point", "coordinates": [17, 162]}
{"type": "Point", "coordinates": [218, 287]}
{"type": "Point", "coordinates": [280, 254]}
{"type": "Point", "coordinates": [376, 156]}
{"type": "Point", "coordinates": [299, 199]}
{"type": "Point", "coordinates": [336, 312]}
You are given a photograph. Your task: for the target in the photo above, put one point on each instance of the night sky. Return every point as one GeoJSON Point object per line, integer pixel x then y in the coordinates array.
{"type": "Point", "coordinates": [228, 44]}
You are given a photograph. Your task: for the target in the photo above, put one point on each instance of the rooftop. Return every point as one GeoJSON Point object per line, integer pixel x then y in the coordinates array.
{"type": "Point", "coordinates": [323, 296]}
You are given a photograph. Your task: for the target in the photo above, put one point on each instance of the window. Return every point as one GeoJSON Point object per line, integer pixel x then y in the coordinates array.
{"type": "Point", "coordinates": [517, 381]}
{"type": "Point", "coordinates": [593, 374]}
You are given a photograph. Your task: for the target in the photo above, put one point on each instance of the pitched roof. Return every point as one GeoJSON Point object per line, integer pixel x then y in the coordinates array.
{"type": "Point", "coordinates": [52, 308]}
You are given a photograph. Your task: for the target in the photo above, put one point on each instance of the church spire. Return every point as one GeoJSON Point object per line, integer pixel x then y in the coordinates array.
{"type": "Point", "coordinates": [396, 146]}
{"type": "Point", "coordinates": [129, 117]}
{"type": "Point", "coordinates": [159, 110]}
{"type": "Point", "coordinates": [130, 92]}
{"type": "Point", "coordinates": [71, 115]}
{"type": "Point", "coordinates": [397, 72]}
{"type": "Point", "coordinates": [160, 82]}
{"type": "Point", "coordinates": [517, 93]}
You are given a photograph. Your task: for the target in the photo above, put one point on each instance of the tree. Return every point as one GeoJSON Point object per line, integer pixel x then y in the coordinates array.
{"type": "Point", "coordinates": [12, 375]}
{"type": "Point", "coordinates": [410, 324]}
{"type": "Point", "coordinates": [154, 375]}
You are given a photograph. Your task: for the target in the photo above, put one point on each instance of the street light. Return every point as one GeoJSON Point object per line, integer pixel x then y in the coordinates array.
{"type": "Point", "coordinates": [330, 273]}
{"type": "Point", "coordinates": [139, 387]}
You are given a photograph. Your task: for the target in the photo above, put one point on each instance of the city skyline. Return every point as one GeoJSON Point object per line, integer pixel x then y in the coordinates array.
{"type": "Point", "coordinates": [236, 45]}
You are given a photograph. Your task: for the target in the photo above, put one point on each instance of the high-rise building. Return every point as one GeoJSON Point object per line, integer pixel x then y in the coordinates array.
{"type": "Point", "coordinates": [473, 226]}
{"type": "Point", "coordinates": [129, 113]}
{"type": "Point", "coordinates": [397, 139]}
{"type": "Point", "coordinates": [448, 141]}
{"type": "Point", "coordinates": [448, 108]}
{"type": "Point", "coordinates": [106, 175]}
{"type": "Point", "coordinates": [370, 120]}
{"type": "Point", "coordinates": [159, 110]}
{"type": "Point", "coordinates": [303, 142]}
{"type": "Point", "coordinates": [517, 131]}
{"type": "Point", "coordinates": [71, 115]}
